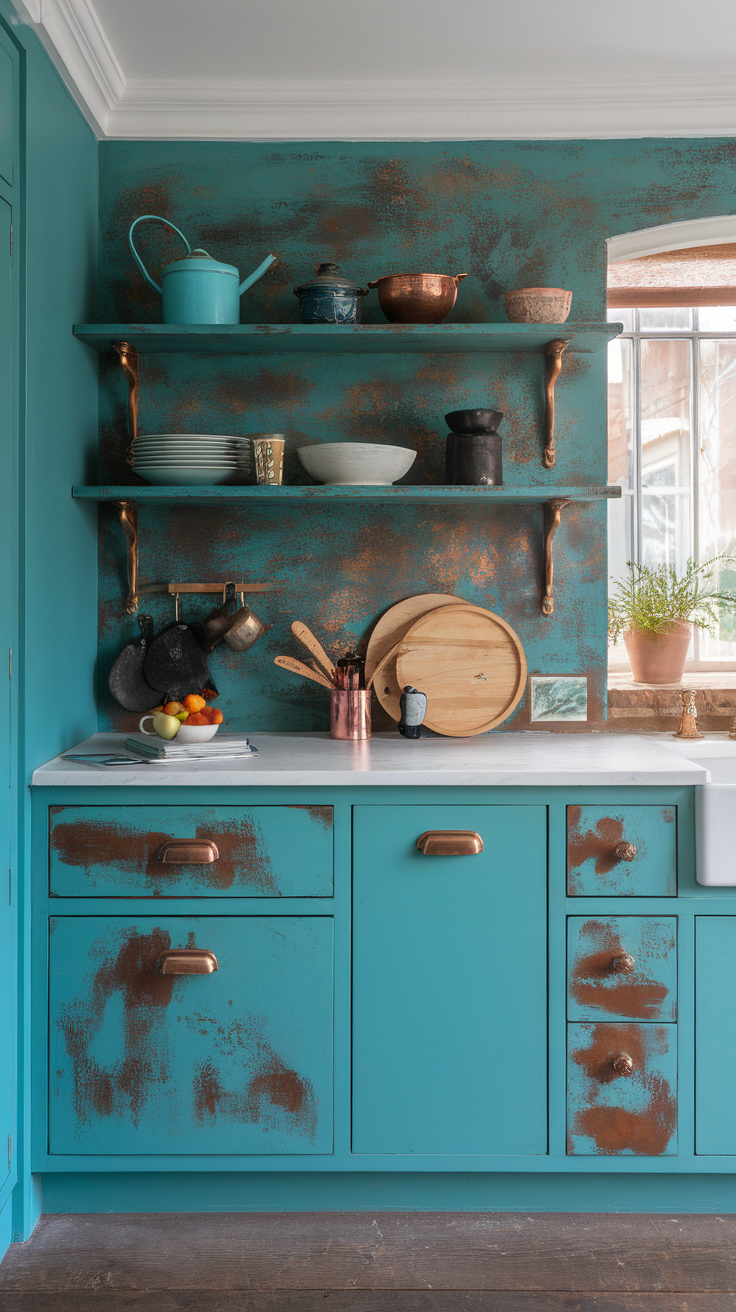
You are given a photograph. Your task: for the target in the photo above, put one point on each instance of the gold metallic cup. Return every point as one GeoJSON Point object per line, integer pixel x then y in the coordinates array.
{"type": "Point", "coordinates": [350, 714]}
{"type": "Point", "coordinates": [268, 455]}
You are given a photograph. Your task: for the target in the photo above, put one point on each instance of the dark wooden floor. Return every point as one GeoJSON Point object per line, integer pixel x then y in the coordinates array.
{"type": "Point", "coordinates": [374, 1262]}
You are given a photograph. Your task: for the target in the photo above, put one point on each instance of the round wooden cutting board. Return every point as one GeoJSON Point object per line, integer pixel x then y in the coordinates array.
{"type": "Point", "coordinates": [390, 628]}
{"type": "Point", "coordinates": [471, 665]}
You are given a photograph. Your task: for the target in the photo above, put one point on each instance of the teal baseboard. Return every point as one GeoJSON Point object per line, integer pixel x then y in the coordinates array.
{"type": "Point", "coordinates": [129, 1192]}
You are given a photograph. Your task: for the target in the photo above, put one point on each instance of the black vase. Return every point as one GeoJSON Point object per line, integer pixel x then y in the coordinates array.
{"type": "Point", "coordinates": [473, 454]}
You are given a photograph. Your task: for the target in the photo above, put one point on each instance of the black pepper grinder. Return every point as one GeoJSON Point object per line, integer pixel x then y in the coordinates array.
{"type": "Point", "coordinates": [413, 710]}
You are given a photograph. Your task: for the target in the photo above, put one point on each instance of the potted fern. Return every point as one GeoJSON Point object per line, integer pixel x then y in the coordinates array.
{"type": "Point", "coordinates": [655, 610]}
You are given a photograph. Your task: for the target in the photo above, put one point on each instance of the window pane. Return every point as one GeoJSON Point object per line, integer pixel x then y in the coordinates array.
{"type": "Point", "coordinates": [621, 468]}
{"type": "Point", "coordinates": [665, 455]}
{"type": "Point", "coordinates": [717, 501]}
{"type": "Point", "coordinates": [664, 320]}
{"type": "Point", "coordinates": [717, 318]}
{"type": "Point", "coordinates": [626, 317]}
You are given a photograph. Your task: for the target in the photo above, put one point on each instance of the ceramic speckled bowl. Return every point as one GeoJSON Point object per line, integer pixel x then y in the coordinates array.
{"type": "Point", "coordinates": [538, 305]}
{"type": "Point", "coordinates": [360, 464]}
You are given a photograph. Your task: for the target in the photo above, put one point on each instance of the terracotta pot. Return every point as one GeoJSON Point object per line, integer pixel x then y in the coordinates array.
{"type": "Point", "coordinates": [658, 657]}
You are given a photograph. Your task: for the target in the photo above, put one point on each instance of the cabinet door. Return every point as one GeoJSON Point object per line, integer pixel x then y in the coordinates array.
{"type": "Point", "coordinates": [8, 932]}
{"type": "Point", "coordinates": [450, 983]}
{"type": "Point", "coordinates": [715, 1035]}
{"type": "Point", "coordinates": [237, 1061]}
{"type": "Point", "coordinates": [622, 851]}
{"type": "Point", "coordinates": [622, 1090]}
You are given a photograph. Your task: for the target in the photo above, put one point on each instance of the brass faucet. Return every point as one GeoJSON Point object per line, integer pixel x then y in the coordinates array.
{"type": "Point", "coordinates": [688, 728]}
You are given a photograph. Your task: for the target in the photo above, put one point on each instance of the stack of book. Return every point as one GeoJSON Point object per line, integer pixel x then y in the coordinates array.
{"type": "Point", "coordinates": [225, 746]}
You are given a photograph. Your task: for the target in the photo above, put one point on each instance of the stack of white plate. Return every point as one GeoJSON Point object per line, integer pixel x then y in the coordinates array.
{"type": "Point", "coordinates": [192, 459]}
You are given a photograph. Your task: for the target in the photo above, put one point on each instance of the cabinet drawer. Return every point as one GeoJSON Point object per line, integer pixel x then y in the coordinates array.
{"type": "Point", "coordinates": [237, 1061]}
{"type": "Point", "coordinates": [600, 856]}
{"type": "Point", "coordinates": [262, 851]}
{"type": "Point", "coordinates": [622, 967]}
{"type": "Point", "coordinates": [622, 1090]}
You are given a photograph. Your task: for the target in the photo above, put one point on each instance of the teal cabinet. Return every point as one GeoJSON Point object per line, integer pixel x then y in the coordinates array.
{"type": "Point", "coordinates": [715, 1031]}
{"type": "Point", "coordinates": [449, 982]}
{"type": "Point", "coordinates": [622, 1090]}
{"type": "Point", "coordinates": [622, 968]}
{"type": "Point", "coordinates": [235, 1061]}
{"type": "Point", "coordinates": [621, 851]}
{"type": "Point", "coordinates": [190, 850]}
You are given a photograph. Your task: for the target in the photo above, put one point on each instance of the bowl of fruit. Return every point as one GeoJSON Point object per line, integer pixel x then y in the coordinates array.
{"type": "Point", "coordinates": [189, 721]}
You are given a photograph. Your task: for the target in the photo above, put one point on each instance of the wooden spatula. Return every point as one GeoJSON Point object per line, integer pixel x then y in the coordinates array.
{"type": "Point", "coordinates": [315, 648]}
{"type": "Point", "coordinates": [298, 667]}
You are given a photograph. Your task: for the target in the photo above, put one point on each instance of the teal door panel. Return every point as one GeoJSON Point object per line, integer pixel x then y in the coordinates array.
{"type": "Point", "coordinates": [601, 860]}
{"type": "Point", "coordinates": [262, 851]}
{"type": "Point", "coordinates": [237, 1061]}
{"type": "Point", "coordinates": [449, 983]}
{"type": "Point", "coordinates": [8, 109]}
{"type": "Point", "coordinates": [622, 1090]}
{"type": "Point", "coordinates": [622, 968]}
{"type": "Point", "coordinates": [715, 1035]}
{"type": "Point", "coordinates": [7, 931]}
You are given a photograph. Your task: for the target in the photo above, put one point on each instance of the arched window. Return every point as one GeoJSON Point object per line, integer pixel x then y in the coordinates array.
{"type": "Point", "coordinates": [672, 407]}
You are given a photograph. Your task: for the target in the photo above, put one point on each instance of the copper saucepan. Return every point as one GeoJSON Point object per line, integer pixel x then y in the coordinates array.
{"type": "Point", "coordinates": [417, 297]}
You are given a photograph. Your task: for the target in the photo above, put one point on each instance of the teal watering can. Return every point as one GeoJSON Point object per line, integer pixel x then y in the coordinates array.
{"type": "Point", "coordinates": [198, 289]}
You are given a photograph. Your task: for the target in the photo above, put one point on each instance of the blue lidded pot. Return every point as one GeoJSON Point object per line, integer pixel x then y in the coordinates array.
{"type": "Point", "coordinates": [330, 298]}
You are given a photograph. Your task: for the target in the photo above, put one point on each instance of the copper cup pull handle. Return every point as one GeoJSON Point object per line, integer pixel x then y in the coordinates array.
{"type": "Point", "coordinates": [450, 842]}
{"type": "Point", "coordinates": [624, 964]}
{"type": "Point", "coordinates": [188, 852]}
{"type": "Point", "coordinates": [623, 1064]}
{"type": "Point", "coordinates": [188, 961]}
{"type": "Point", "coordinates": [625, 851]}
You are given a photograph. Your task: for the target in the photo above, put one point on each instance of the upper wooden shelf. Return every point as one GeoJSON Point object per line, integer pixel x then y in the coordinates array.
{"type": "Point", "coordinates": [369, 339]}
{"type": "Point", "coordinates": [393, 495]}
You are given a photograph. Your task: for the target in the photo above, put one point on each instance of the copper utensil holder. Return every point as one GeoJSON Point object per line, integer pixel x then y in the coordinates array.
{"type": "Point", "coordinates": [350, 714]}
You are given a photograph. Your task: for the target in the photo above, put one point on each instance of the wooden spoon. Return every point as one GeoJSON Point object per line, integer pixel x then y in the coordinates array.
{"type": "Point", "coordinates": [298, 667]}
{"type": "Point", "coordinates": [315, 648]}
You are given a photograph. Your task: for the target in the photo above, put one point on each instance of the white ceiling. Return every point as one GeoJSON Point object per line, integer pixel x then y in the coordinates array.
{"type": "Point", "coordinates": [396, 69]}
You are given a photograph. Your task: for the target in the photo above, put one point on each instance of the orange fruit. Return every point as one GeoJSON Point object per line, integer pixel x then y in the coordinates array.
{"type": "Point", "coordinates": [173, 708]}
{"type": "Point", "coordinates": [194, 702]}
{"type": "Point", "coordinates": [196, 718]}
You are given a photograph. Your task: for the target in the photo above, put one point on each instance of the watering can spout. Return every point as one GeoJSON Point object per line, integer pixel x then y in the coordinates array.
{"type": "Point", "coordinates": [256, 274]}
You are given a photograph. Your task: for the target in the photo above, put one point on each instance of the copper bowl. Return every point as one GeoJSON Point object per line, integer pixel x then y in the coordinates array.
{"type": "Point", "coordinates": [417, 297]}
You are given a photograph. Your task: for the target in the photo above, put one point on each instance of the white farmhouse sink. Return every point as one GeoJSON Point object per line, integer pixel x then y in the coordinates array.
{"type": "Point", "coordinates": [715, 810]}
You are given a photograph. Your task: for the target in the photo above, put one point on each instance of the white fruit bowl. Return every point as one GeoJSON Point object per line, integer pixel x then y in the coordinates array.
{"type": "Point", "coordinates": [356, 464]}
{"type": "Point", "coordinates": [196, 733]}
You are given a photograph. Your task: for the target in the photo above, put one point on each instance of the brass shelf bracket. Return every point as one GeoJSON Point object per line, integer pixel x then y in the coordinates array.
{"type": "Point", "coordinates": [552, 517]}
{"type": "Point", "coordinates": [127, 512]}
{"type": "Point", "coordinates": [553, 353]}
{"type": "Point", "coordinates": [128, 357]}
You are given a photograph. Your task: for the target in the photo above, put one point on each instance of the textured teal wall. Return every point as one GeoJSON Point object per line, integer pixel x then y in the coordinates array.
{"type": "Point", "coordinates": [507, 213]}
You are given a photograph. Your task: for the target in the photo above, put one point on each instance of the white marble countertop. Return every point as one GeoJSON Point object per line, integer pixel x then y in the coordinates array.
{"type": "Point", "coordinates": [315, 760]}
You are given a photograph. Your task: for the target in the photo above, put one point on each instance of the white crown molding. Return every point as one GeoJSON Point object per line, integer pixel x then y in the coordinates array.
{"type": "Point", "coordinates": [673, 237]}
{"type": "Point", "coordinates": [528, 110]}
{"type": "Point", "coordinates": [506, 109]}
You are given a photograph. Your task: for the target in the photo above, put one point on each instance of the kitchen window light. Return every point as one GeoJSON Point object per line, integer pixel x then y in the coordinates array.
{"type": "Point", "coordinates": [672, 450]}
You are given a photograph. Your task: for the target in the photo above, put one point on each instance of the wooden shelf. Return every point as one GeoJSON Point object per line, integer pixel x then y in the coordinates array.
{"type": "Point", "coordinates": [146, 494]}
{"type": "Point", "coordinates": [368, 339]}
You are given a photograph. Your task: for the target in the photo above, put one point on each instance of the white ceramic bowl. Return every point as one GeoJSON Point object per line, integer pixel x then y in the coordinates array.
{"type": "Point", "coordinates": [196, 733]}
{"type": "Point", "coordinates": [357, 464]}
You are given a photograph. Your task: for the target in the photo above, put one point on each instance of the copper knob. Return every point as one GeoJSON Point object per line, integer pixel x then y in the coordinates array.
{"type": "Point", "coordinates": [625, 851]}
{"type": "Point", "coordinates": [624, 964]}
{"type": "Point", "coordinates": [623, 1064]}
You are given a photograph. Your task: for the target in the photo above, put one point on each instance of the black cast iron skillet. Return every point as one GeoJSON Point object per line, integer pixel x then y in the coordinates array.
{"type": "Point", "coordinates": [126, 679]}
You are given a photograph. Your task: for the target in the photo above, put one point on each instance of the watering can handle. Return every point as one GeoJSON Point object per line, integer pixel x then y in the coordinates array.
{"type": "Point", "coordinates": [137, 257]}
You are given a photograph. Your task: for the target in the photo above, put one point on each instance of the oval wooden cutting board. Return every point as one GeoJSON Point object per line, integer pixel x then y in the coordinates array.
{"type": "Point", "coordinates": [471, 665]}
{"type": "Point", "coordinates": [390, 628]}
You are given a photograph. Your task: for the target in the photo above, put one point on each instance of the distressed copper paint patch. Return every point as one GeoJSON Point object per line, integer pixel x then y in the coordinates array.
{"type": "Point", "coordinates": [596, 844]}
{"type": "Point", "coordinates": [618, 1129]}
{"type": "Point", "coordinates": [270, 1094]}
{"type": "Point", "coordinates": [596, 984]}
{"type": "Point", "coordinates": [145, 991]}
{"type": "Point", "coordinates": [321, 815]}
{"type": "Point", "coordinates": [120, 845]}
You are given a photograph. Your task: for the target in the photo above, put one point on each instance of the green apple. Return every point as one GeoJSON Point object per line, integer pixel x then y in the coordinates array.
{"type": "Point", "coordinates": [181, 716]}
{"type": "Point", "coordinates": [166, 726]}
